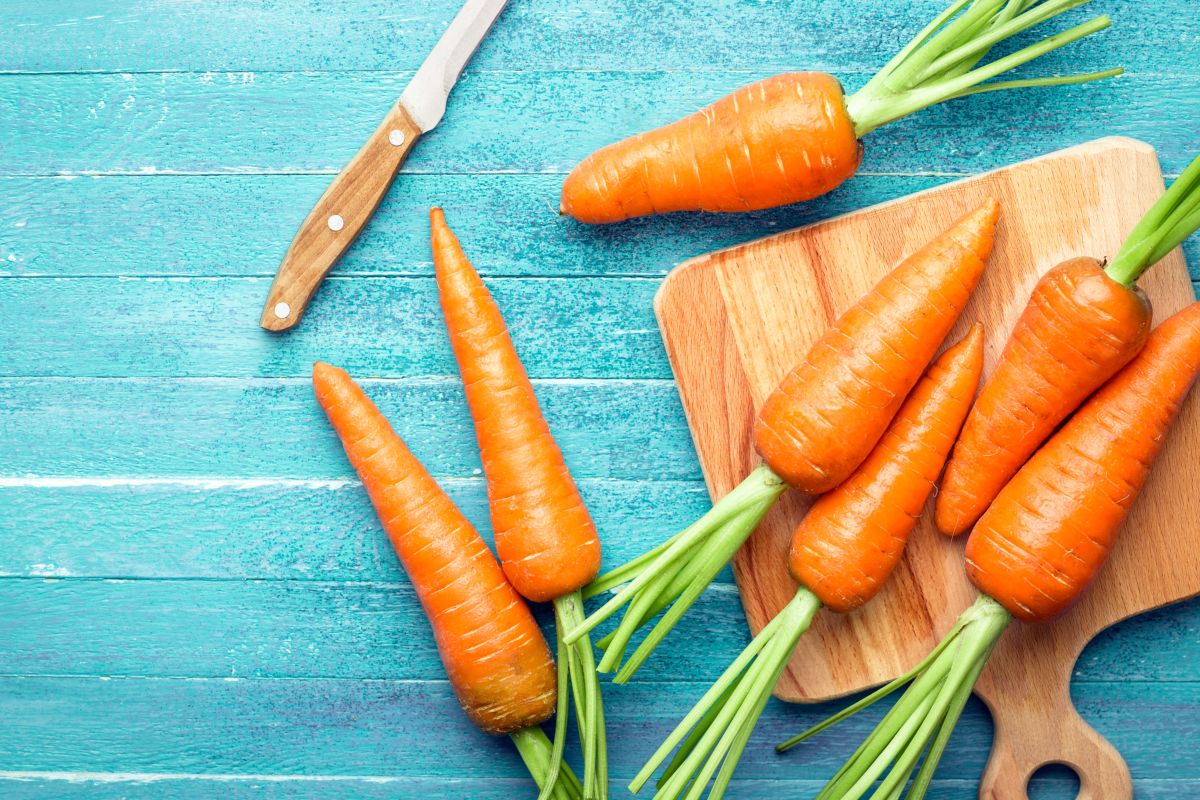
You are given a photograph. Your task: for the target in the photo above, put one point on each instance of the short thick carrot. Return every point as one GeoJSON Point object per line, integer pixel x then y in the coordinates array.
{"type": "Point", "coordinates": [545, 537]}
{"type": "Point", "coordinates": [1084, 322]}
{"type": "Point", "coordinates": [1033, 553]}
{"type": "Point", "coordinates": [491, 647]}
{"type": "Point", "coordinates": [1079, 328]}
{"type": "Point", "coordinates": [795, 136]}
{"type": "Point", "coordinates": [824, 417]}
{"type": "Point", "coordinates": [842, 553]}
{"type": "Point", "coordinates": [1044, 539]}
{"type": "Point", "coordinates": [851, 539]}
{"type": "Point", "coordinates": [813, 431]}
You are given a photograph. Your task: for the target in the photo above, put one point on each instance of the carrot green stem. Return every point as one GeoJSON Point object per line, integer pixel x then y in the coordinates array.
{"type": "Point", "coordinates": [536, 752]}
{"type": "Point", "coordinates": [1172, 218]}
{"type": "Point", "coordinates": [585, 689]}
{"type": "Point", "coordinates": [712, 736]}
{"type": "Point", "coordinates": [560, 716]}
{"type": "Point", "coordinates": [677, 574]}
{"type": "Point", "coordinates": [923, 718]}
{"type": "Point", "coordinates": [940, 62]}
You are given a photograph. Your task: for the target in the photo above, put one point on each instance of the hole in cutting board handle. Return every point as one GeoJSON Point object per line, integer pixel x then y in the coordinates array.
{"type": "Point", "coordinates": [1052, 781]}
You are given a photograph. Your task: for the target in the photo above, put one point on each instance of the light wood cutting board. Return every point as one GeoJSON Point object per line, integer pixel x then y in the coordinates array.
{"type": "Point", "coordinates": [735, 321]}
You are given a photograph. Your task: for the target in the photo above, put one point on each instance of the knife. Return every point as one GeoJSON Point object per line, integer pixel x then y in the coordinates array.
{"type": "Point", "coordinates": [348, 203]}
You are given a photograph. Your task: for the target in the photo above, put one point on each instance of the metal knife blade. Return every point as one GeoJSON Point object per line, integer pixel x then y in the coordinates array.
{"type": "Point", "coordinates": [343, 210]}
{"type": "Point", "coordinates": [425, 96]}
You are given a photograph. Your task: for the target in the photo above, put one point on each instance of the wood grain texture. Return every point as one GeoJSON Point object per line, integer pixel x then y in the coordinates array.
{"type": "Point", "coordinates": [760, 306]}
{"type": "Point", "coordinates": [339, 216]}
{"type": "Point", "coordinates": [522, 121]}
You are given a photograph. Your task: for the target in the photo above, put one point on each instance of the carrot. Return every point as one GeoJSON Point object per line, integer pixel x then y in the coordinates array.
{"type": "Point", "coordinates": [545, 537]}
{"type": "Point", "coordinates": [842, 553]}
{"type": "Point", "coordinates": [1082, 324]}
{"type": "Point", "coordinates": [796, 136]}
{"type": "Point", "coordinates": [494, 654]}
{"type": "Point", "coordinates": [814, 430]}
{"type": "Point", "coordinates": [1033, 553]}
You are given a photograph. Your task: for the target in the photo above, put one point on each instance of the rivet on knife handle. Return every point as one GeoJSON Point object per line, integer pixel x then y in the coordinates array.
{"type": "Point", "coordinates": [337, 218]}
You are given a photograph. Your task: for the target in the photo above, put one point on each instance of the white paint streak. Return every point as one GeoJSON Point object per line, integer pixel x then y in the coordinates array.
{"type": "Point", "coordinates": [195, 483]}
{"type": "Point", "coordinates": [157, 777]}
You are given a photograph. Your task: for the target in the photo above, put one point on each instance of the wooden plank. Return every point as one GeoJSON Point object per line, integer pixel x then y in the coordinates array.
{"type": "Point", "coordinates": [1058, 784]}
{"type": "Point", "coordinates": [374, 629]}
{"type": "Point", "coordinates": [302, 530]}
{"type": "Point", "coordinates": [147, 225]}
{"type": "Point", "coordinates": [518, 121]}
{"type": "Point", "coordinates": [575, 328]}
{"type": "Point", "coordinates": [280, 726]}
{"type": "Point", "coordinates": [140, 35]}
{"type": "Point", "coordinates": [217, 427]}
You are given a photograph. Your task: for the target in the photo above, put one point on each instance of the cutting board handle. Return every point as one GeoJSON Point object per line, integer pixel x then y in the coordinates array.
{"type": "Point", "coordinates": [1025, 742]}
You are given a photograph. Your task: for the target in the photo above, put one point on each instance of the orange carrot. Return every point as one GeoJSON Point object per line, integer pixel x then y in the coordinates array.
{"type": "Point", "coordinates": [825, 416]}
{"type": "Point", "coordinates": [813, 431]}
{"type": "Point", "coordinates": [1034, 552]}
{"type": "Point", "coordinates": [545, 537]}
{"type": "Point", "coordinates": [492, 649]}
{"type": "Point", "coordinates": [851, 539]}
{"type": "Point", "coordinates": [796, 136]}
{"type": "Point", "coordinates": [842, 553]}
{"type": "Point", "coordinates": [1082, 324]}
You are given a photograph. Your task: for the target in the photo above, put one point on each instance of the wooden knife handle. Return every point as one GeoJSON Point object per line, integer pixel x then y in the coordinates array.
{"type": "Point", "coordinates": [337, 218]}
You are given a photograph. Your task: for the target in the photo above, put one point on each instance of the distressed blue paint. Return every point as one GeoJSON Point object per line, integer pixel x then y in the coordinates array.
{"type": "Point", "coordinates": [520, 121]}
{"type": "Point", "coordinates": [291, 584]}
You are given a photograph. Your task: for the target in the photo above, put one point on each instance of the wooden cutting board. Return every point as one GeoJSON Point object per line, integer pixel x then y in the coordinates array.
{"type": "Point", "coordinates": [735, 321]}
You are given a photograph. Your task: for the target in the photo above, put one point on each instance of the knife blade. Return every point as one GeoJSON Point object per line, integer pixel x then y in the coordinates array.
{"type": "Point", "coordinates": [343, 210]}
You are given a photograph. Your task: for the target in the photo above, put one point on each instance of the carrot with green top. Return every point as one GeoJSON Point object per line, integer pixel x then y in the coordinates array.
{"type": "Point", "coordinates": [842, 553]}
{"type": "Point", "coordinates": [1032, 554]}
{"type": "Point", "coordinates": [493, 651]}
{"type": "Point", "coordinates": [1084, 322]}
{"type": "Point", "coordinates": [813, 431]}
{"type": "Point", "coordinates": [796, 136]}
{"type": "Point", "coordinates": [545, 537]}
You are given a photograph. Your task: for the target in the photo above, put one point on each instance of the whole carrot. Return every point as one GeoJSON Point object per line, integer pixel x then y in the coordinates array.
{"type": "Point", "coordinates": [796, 136]}
{"type": "Point", "coordinates": [545, 537]}
{"type": "Point", "coordinates": [814, 430]}
{"type": "Point", "coordinates": [1033, 553]}
{"type": "Point", "coordinates": [842, 553]}
{"type": "Point", "coordinates": [1083, 323]}
{"type": "Point", "coordinates": [494, 654]}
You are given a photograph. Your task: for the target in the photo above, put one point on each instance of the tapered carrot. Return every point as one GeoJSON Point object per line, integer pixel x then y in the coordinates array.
{"type": "Point", "coordinates": [814, 430]}
{"type": "Point", "coordinates": [1083, 323]}
{"type": "Point", "coordinates": [1033, 553]}
{"type": "Point", "coordinates": [796, 136]}
{"type": "Point", "coordinates": [545, 537]}
{"type": "Point", "coordinates": [494, 654]}
{"type": "Point", "coordinates": [842, 553]}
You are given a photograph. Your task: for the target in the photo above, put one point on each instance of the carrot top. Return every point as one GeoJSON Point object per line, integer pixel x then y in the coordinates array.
{"type": "Point", "coordinates": [1173, 218]}
{"type": "Point", "coordinates": [940, 63]}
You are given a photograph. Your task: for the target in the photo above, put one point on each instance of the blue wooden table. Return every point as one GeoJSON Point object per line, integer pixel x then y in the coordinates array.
{"type": "Point", "coordinates": [195, 599]}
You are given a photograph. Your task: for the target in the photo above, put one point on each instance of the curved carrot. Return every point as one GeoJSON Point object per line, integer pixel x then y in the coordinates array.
{"type": "Point", "coordinates": [1044, 539]}
{"type": "Point", "coordinates": [545, 537]}
{"type": "Point", "coordinates": [1033, 553]}
{"type": "Point", "coordinates": [813, 431]}
{"type": "Point", "coordinates": [851, 539]}
{"type": "Point", "coordinates": [842, 553]}
{"type": "Point", "coordinates": [787, 136]}
{"type": "Point", "coordinates": [824, 417]}
{"type": "Point", "coordinates": [1082, 324]}
{"type": "Point", "coordinates": [493, 651]}
{"type": "Point", "coordinates": [1079, 328]}
{"type": "Point", "coordinates": [795, 136]}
